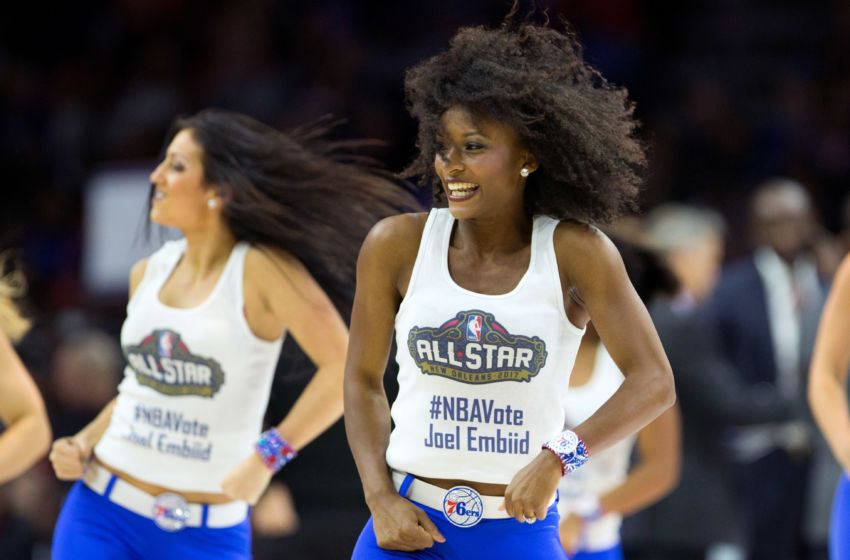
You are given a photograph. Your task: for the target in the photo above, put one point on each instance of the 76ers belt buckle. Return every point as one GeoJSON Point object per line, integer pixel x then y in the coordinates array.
{"type": "Point", "coordinates": [170, 512]}
{"type": "Point", "coordinates": [463, 506]}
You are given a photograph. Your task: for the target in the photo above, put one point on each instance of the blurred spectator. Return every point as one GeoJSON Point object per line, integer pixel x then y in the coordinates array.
{"type": "Point", "coordinates": [700, 518]}
{"type": "Point", "coordinates": [86, 369]}
{"type": "Point", "coordinates": [766, 309]}
{"type": "Point", "coordinates": [33, 501]}
{"type": "Point", "coordinates": [17, 539]}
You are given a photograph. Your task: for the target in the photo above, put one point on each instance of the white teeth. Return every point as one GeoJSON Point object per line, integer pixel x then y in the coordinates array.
{"type": "Point", "coordinates": [158, 195]}
{"type": "Point", "coordinates": [461, 188]}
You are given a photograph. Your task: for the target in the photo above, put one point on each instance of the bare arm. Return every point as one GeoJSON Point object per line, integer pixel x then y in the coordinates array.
{"type": "Point", "coordinates": [594, 268]}
{"type": "Point", "coordinates": [590, 266]}
{"type": "Point", "coordinates": [69, 455]}
{"type": "Point", "coordinates": [657, 471]}
{"type": "Point", "coordinates": [27, 435]}
{"type": "Point", "coordinates": [367, 423]}
{"type": "Point", "coordinates": [385, 261]}
{"type": "Point", "coordinates": [655, 475]}
{"type": "Point", "coordinates": [302, 308]}
{"type": "Point", "coordinates": [707, 380]}
{"type": "Point", "coordinates": [281, 295]}
{"type": "Point", "coordinates": [829, 367]}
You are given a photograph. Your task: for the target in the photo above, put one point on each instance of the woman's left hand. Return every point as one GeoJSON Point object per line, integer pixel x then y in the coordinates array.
{"type": "Point", "coordinates": [569, 531]}
{"type": "Point", "coordinates": [247, 480]}
{"type": "Point", "coordinates": [528, 495]}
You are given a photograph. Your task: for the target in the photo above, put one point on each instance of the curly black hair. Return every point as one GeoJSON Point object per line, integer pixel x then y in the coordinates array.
{"type": "Point", "coordinates": [533, 77]}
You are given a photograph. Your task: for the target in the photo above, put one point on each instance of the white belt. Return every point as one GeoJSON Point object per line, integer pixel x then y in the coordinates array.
{"type": "Point", "coordinates": [138, 501]}
{"type": "Point", "coordinates": [434, 496]}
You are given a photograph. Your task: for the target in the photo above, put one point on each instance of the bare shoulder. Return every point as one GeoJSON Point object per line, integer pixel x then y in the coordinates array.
{"type": "Point", "coordinates": [265, 265]}
{"type": "Point", "coordinates": [582, 247]}
{"type": "Point", "coordinates": [397, 235]}
{"type": "Point", "coordinates": [274, 283]}
{"type": "Point", "coordinates": [137, 273]}
{"type": "Point", "coordinates": [389, 252]}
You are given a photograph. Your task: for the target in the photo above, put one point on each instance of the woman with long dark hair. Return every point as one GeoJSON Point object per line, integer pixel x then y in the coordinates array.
{"type": "Point", "coordinates": [527, 146]}
{"type": "Point", "coordinates": [271, 225]}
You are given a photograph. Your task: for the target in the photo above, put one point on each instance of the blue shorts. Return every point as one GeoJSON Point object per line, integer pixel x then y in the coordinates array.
{"type": "Point", "coordinates": [614, 553]}
{"type": "Point", "coordinates": [839, 530]}
{"type": "Point", "coordinates": [490, 538]}
{"type": "Point", "coordinates": [91, 526]}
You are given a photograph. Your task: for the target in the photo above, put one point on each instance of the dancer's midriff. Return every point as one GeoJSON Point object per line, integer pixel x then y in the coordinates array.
{"type": "Point", "coordinates": [156, 490]}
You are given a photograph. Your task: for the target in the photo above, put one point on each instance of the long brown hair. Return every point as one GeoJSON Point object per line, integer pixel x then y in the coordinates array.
{"type": "Point", "coordinates": [298, 191]}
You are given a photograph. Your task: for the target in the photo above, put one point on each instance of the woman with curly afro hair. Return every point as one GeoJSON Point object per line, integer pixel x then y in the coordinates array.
{"type": "Point", "coordinates": [526, 147]}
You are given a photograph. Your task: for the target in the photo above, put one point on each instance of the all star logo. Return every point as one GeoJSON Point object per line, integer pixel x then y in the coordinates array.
{"type": "Point", "coordinates": [162, 362]}
{"type": "Point", "coordinates": [474, 348]}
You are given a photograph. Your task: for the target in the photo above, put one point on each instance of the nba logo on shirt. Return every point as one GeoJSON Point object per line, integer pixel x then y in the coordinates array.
{"type": "Point", "coordinates": [473, 328]}
{"type": "Point", "coordinates": [165, 345]}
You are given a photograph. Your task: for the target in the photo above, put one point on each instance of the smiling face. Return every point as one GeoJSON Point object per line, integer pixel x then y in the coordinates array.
{"type": "Point", "coordinates": [181, 195]}
{"type": "Point", "coordinates": [478, 162]}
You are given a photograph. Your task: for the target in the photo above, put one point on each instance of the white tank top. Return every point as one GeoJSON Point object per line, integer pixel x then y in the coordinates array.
{"type": "Point", "coordinates": [604, 470]}
{"type": "Point", "coordinates": [481, 377]}
{"type": "Point", "coordinates": [195, 390]}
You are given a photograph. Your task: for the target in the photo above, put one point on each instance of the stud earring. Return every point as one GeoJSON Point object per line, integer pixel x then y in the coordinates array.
{"type": "Point", "coordinates": [524, 172]}
{"type": "Point", "coordinates": [212, 203]}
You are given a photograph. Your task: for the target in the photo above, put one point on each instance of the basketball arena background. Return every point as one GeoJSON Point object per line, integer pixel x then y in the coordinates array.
{"type": "Point", "coordinates": [730, 93]}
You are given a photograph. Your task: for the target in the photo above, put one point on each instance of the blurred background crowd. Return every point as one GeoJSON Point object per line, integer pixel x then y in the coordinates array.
{"type": "Point", "coordinates": [745, 106]}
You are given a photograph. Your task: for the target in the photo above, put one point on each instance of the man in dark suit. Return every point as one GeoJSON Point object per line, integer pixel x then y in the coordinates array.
{"type": "Point", "coordinates": [765, 310]}
{"type": "Point", "coordinates": [702, 514]}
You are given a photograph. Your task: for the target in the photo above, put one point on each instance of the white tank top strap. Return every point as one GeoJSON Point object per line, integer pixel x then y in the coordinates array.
{"type": "Point", "coordinates": [428, 245]}
{"type": "Point", "coordinates": [549, 260]}
{"type": "Point", "coordinates": [158, 269]}
{"type": "Point", "coordinates": [545, 261]}
{"type": "Point", "coordinates": [168, 257]}
{"type": "Point", "coordinates": [432, 260]}
{"type": "Point", "coordinates": [233, 280]}
{"type": "Point", "coordinates": [232, 275]}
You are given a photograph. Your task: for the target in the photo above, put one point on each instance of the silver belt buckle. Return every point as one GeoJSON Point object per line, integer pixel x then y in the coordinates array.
{"type": "Point", "coordinates": [170, 512]}
{"type": "Point", "coordinates": [463, 506]}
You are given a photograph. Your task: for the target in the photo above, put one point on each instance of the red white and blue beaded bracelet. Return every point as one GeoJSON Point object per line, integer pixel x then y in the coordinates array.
{"type": "Point", "coordinates": [274, 450]}
{"type": "Point", "coordinates": [570, 450]}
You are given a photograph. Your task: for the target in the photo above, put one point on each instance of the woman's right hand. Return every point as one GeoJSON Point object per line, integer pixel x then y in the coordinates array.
{"type": "Point", "coordinates": [69, 456]}
{"type": "Point", "coordinates": [400, 525]}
